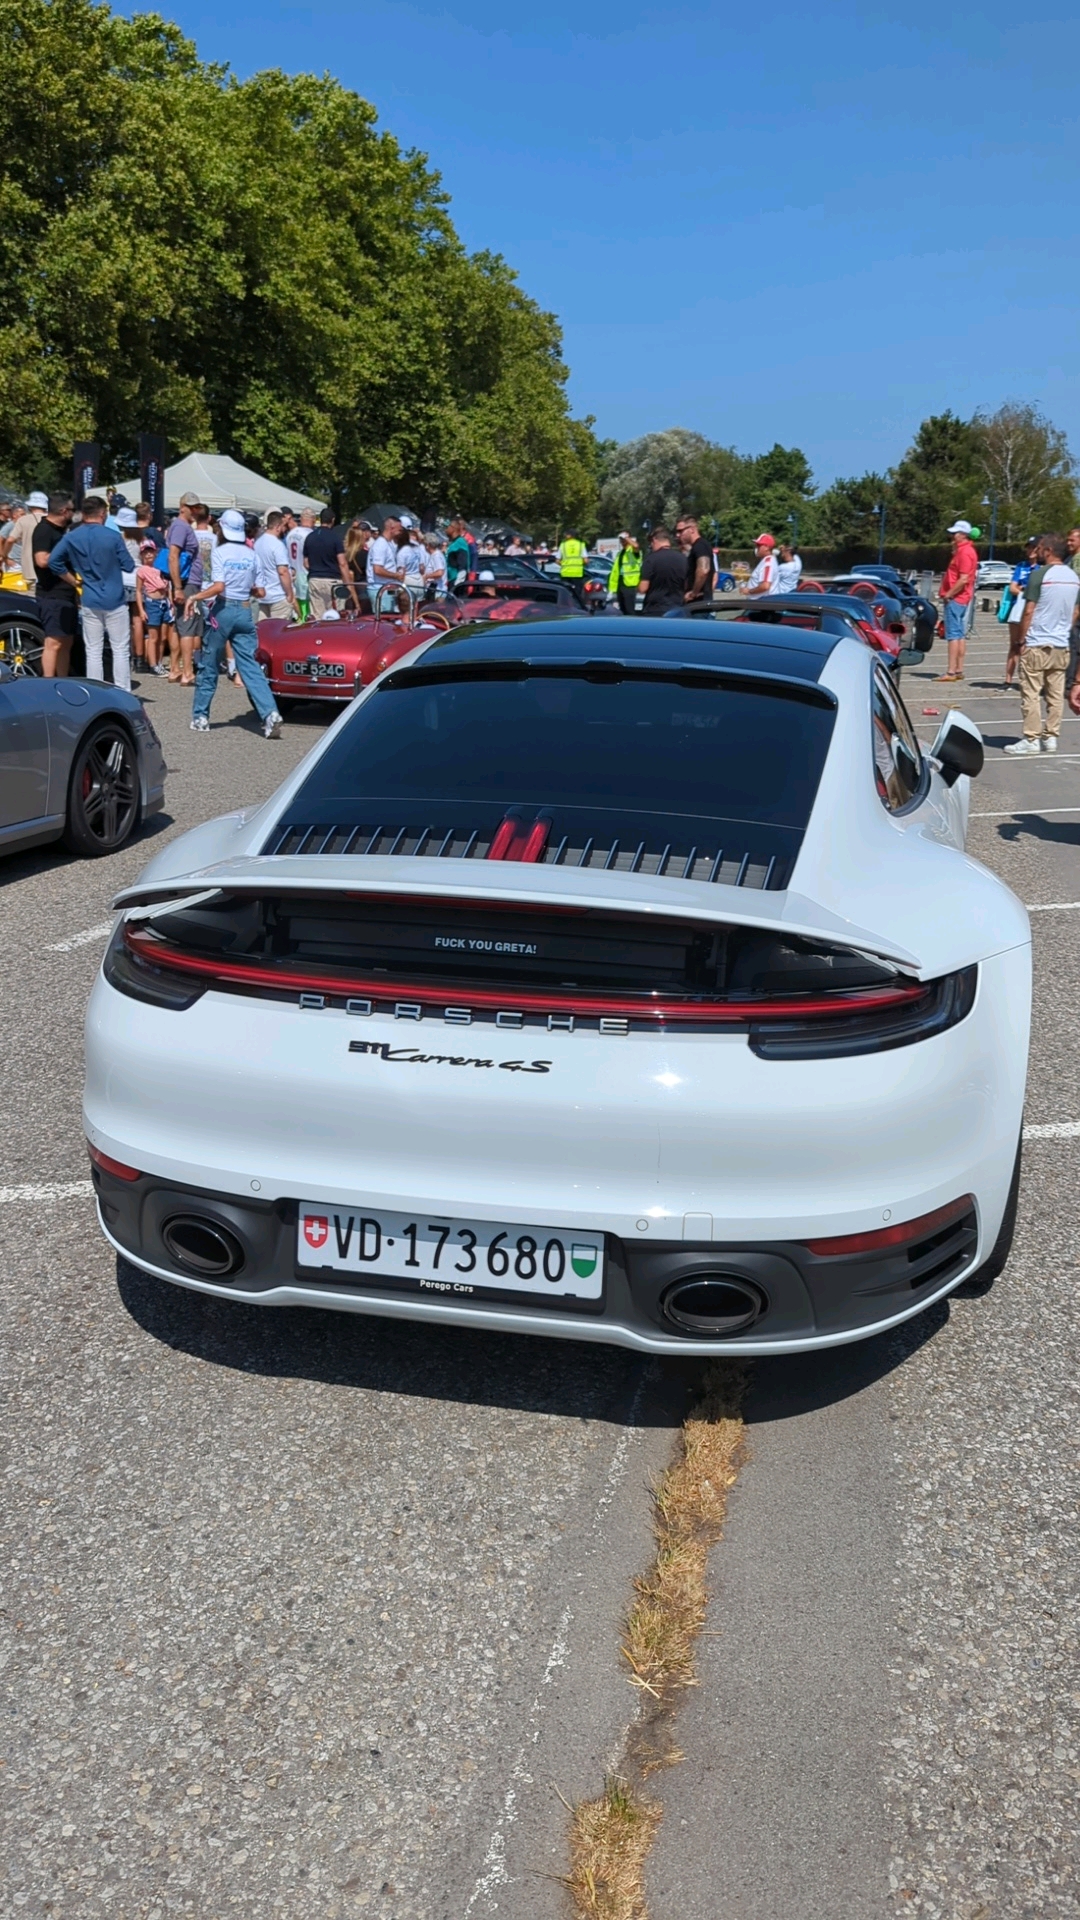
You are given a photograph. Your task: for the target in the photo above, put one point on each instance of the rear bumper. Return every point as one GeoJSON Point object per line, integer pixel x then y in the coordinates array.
{"type": "Point", "coordinates": [806, 1301]}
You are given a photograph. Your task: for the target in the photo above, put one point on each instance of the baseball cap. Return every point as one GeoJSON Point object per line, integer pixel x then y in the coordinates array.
{"type": "Point", "coordinates": [126, 517]}
{"type": "Point", "coordinates": [38, 499]}
{"type": "Point", "coordinates": [765, 540]}
{"type": "Point", "coordinates": [406, 520]}
{"type": "Point", "coordinates": [959, 526]}
{"type": "Point", "coordinates": [190, 500]}
{"type": "Point", "coordinates": [487, 578]}
{"type": "Point", "coordinates": [232, 524]}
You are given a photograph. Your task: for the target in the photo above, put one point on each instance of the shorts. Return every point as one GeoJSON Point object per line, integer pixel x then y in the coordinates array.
{"type": "Point", "coordinates": [189, 628]}
{"type": "Point", "coordinates": [59, 618]}
{"type": "Point", "coordinates": [158, 613]}
{"type": "Point", "coordinates": [956, 619]}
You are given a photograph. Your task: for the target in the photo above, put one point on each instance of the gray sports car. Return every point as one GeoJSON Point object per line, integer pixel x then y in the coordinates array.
{"type": "Point", "coordinates": [79, 762]}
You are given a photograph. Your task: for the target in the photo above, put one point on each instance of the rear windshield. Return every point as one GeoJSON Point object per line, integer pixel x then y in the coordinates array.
{"type": "Point", "coordinates": [705, 764]}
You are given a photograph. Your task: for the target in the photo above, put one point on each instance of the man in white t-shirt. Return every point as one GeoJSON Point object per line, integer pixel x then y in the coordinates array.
{"type": "Point", "coordinates": [295, 542]}
{"type": "Point", "coordinates": [384, 569]}
{"type": "Point", "coordinates": [1050, 596]}
{"type": "Point", "coordinates": [766, 572]}
{"type": "Point", "coordinates": [273, 575]}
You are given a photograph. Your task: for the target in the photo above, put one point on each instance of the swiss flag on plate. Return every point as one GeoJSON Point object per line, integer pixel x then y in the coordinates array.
{"type": "Point", "coordinates": [316, 1229]}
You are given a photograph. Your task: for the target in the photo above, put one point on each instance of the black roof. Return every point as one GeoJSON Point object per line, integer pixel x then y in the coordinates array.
{"type": "Point", "coordinates": [797, 653]}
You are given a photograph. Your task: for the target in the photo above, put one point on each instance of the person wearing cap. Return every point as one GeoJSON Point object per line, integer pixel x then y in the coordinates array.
{"type": "Point", "coordinates": [17, 551]}
{"type": "Point", "coordinates": [625, 575]}
{"type": "Point", "coordinates": [185, 578]}
{"type": "Point", "coordinates": [1015, 589]}
{"type": "Point", "coordinates": [127, 528]}
{"type": "Point", "coordinates": [57, 602]}
{"type": "Point", "coordinates": [231, 586]}
{"type": "Point", "coordinates": [96, 555]}
{"type": "Point", "coordinates": [957, 593]}
{"type": "Point", "coordinates": [766, 575]}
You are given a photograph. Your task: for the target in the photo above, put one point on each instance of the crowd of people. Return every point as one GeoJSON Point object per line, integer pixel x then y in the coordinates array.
{"type": "Point", "coordinates": [182, 601]}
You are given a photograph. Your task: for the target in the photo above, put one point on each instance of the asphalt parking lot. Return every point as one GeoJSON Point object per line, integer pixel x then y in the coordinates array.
{"type": "Point", "coordinates": [307, 1614]}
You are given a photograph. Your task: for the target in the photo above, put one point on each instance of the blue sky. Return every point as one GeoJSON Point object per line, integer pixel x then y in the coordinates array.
{"type": "Point", "coordinates": [817, 233]}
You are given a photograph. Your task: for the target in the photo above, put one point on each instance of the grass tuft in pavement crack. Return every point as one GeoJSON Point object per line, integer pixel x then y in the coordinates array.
{"type": "Point", "coordinates": [610, 1837]}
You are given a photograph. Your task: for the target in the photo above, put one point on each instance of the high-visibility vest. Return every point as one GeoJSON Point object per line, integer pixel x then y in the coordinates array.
{"type": "Point", "coordinates": [572, 559]}
{"type": "Point", "coordinates": [625, 569]}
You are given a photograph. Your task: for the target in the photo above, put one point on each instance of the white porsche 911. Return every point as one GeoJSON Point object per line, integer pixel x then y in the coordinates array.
{"type": "Point", "coordinates": [620, 980]}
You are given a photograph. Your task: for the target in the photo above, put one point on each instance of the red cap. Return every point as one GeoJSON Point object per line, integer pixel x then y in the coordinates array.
{"type": "Point", "coordinates": [764, 540]}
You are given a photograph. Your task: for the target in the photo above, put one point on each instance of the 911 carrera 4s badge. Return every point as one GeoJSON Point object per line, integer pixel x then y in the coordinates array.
{"type": "Point", "coordinates": [413, 1057]}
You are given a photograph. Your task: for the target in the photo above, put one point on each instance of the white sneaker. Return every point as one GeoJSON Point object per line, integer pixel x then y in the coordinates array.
{"type": "Point", "coordinates": [1049, 744]}
{"type": "Point", "coordinates": [272, 726]}
{"type": "Point", "coordinates": [1023, 746]}
{"type": "Point", "coordinates": [200, 724]}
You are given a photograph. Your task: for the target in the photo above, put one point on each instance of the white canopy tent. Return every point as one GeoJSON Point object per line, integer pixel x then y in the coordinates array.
{"type": "Point", "coordinates": [220, 482]}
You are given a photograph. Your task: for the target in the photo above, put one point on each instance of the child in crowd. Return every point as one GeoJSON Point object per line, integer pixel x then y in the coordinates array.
{"type": "Point", "coordinates": [152, 609]}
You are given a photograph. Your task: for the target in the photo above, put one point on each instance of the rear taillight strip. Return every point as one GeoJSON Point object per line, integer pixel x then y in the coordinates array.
{"type": "Point", "coordinates": [510, 998]}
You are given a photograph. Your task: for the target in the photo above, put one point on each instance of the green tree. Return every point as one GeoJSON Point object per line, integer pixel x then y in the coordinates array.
{"type": "Point", "coordinates": [1027, 468]}
{"type": "Point", "coordinates": [254, 266]}
{"type": "Point", "coordinates": [938, 479]}
{"type": "Point", "coordinates": [648, 479]}
{"type": "Point", "coordinates": [844, 515]}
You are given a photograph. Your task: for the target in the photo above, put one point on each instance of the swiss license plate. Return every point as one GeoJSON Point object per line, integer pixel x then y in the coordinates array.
{"type": "Point", "coordinates": [455, 1257]}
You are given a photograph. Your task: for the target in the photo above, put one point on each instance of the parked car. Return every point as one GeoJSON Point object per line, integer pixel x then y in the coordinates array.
{"type": "Point", "coordinates": [817, 612]}
{"type": "Point", "coordinates": [21, 637]}
{"type": "Point", "coordinates": [993, 573]}
{"type": "Point", "coordinates": [79, 762]}
{"type": "Point", "coordinates": [921, 612]}
{"type": "Point", "coordinates": [624, 982]}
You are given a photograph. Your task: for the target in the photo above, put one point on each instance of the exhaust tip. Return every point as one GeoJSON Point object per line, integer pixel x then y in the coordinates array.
{"type": "Point", "coordinates": [713, 1304]}
{"type": "Point", "coordinates": [202, 1246]}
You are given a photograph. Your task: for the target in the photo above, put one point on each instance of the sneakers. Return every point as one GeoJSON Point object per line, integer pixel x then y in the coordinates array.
{"type": "Point", "coordinates": [200, 724]}
{"type": "Point", "coordinates": [162, 669]}
{"type": "Point", "coordinates": [1023, 746]}
{"type": "Point", "coordinates": [1049, 744]}
{"type": "Point", "coordinates": [272, 726]}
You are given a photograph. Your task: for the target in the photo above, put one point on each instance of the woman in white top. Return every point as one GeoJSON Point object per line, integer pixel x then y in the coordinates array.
{"type": "Point", "coordinates": [231, 586]}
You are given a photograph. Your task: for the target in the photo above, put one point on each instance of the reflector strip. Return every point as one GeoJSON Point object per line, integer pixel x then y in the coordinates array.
{"type": "Point", "coordinates": [627, 1006]}
{"type": "Point", "coordinates": [115, 1167]}
{"type": "Point", "coordinates": [882, 1237]}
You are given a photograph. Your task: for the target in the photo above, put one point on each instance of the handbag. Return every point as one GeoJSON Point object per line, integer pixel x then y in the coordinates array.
{"type": "Point", "coordinates": [1005, 605]}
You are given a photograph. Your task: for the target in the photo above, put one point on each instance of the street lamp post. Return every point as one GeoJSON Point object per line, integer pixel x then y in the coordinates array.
{"type": "Point", "coordinates": [880, 511]}
{"type": "Point", "coordinates": [991, 501]}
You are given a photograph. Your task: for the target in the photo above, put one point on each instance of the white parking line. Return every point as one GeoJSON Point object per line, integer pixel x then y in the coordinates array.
{"type": "Point", "coordinates": [1061, 1130]}
{"type": "Point", "coordinates": [1006, 813]}
{"type": "Point", "coordinates": [1055, 906]}
{"type": "Point", "coordinates": [81, 939]}
{"type": "Point", "coordinates": [47, 1190]}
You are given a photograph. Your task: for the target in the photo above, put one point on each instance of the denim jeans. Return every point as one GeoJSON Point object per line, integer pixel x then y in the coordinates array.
{"type": "Point", "coordinates": [234, 624]}
{"type": "Point", "coordinates": [117, 624]}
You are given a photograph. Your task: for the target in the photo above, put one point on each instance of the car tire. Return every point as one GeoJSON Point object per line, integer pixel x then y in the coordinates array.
{"type": "Point", "coordinates": [983, 1278]}
{"type": "Point", "coordinates": [22, 645]}
{"type": "Point", "coordinates": [104, 802]}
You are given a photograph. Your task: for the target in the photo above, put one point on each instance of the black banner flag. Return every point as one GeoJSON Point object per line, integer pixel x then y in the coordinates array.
{"type": "Point", "coordinates": [85, 462]}
{"type": "Point", "coordinates": [152, 472]}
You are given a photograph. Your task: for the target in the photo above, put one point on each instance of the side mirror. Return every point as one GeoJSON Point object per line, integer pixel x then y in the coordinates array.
{"type": "Point", "coordinates": [910, 657]}
{"type": "Point", "coordinates": [958, 748]}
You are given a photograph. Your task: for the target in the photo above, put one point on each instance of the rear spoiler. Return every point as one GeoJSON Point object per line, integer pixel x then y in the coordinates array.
{"type": "Point", "coordinates": [508, 884]}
